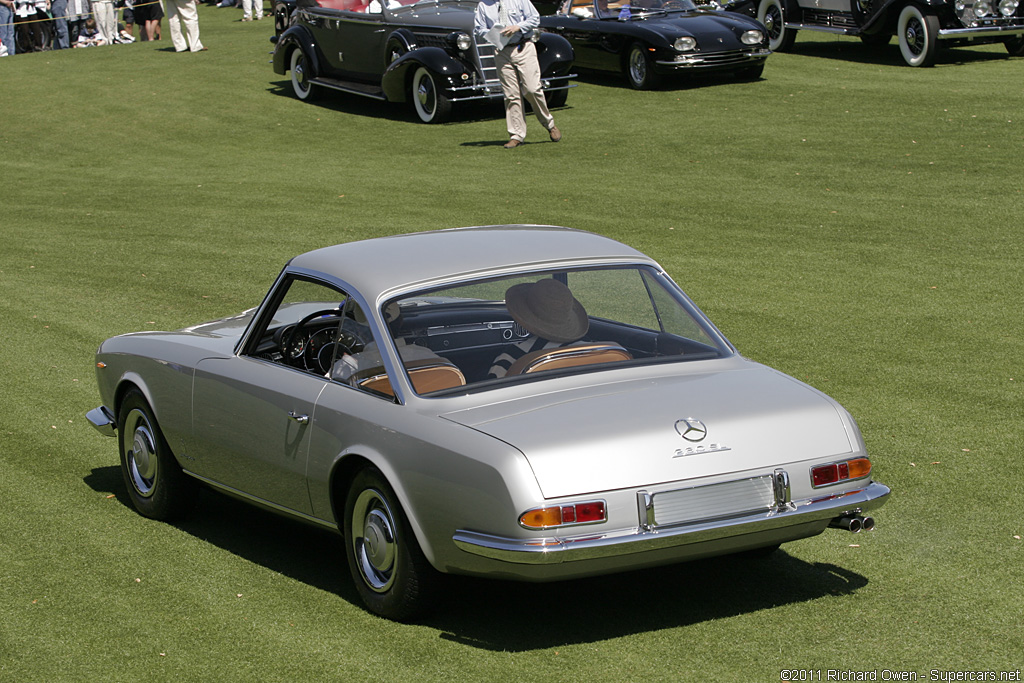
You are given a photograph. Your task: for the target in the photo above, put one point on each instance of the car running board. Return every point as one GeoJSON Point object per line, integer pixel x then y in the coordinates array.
{"type": "Point", "coordinates": [364, 89]}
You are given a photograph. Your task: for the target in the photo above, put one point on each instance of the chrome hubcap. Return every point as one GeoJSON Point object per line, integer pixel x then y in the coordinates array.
{"type": "Point", "coordinates": [140, 455]}
{"type": "Point", "coordinates": [373, 540]}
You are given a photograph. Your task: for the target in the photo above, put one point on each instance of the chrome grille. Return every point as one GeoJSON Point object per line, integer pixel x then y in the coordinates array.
{"type": "Point", "coordinates": [713, 501]}
{"type": "Point", "coordinates": [826, 18]}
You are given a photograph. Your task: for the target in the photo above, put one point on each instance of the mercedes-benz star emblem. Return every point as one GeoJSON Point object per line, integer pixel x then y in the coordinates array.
{"type": "Point", "coordinates": [691, 429]}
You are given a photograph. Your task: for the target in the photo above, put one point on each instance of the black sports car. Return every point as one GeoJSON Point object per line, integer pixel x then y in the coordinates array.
{"type": "Point", "coordinates": [401, 51]}
{"type": "Point", "coordinates": [919, 27]}
{"type": "Point", "coordinates": [652, 38]}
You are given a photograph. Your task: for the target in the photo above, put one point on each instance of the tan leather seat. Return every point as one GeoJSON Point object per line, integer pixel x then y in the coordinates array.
{"type": "Point", "coordinates": [427, 375]}
{"type": "Point", "coordinates": [569, 357]}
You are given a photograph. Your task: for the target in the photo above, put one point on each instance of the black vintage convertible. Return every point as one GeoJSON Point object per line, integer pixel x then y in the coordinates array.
{"type": "Point", "coordinates": [647, 39]}
{"type": "Point", "coordinates": [423, 53]}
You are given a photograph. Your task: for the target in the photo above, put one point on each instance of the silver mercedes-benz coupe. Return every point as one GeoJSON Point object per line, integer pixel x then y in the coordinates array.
{"type": "Point", "coordinates": [518, 402]}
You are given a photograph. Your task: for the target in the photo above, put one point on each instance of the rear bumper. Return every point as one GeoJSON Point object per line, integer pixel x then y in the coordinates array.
{"type": "Point", "coordinates": [803, 518]}
{"type": "Point", "coordinates": [103, 420]}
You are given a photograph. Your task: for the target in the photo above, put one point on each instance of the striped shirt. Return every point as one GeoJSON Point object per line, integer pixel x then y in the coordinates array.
{"type": "Point", "coordinates": [516, 351]}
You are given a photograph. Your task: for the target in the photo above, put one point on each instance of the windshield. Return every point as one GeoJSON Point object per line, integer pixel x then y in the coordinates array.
{"type": "Point", "coordinates": [624, 9]}
{"type": "Point", "coordinates": [497, 330]}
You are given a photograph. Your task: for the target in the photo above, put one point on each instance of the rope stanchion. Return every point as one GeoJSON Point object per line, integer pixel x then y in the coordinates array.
{"type": "Point", "coordinates": [90, 14]}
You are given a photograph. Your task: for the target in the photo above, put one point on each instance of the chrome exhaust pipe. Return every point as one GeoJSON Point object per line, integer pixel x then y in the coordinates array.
{"type": "Point", "coordinates": [851, 523]}
{"type": "Point", "coordinates": [867, 523]}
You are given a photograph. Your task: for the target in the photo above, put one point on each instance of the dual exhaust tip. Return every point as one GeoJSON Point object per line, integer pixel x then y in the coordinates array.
{"type": "Point", "coordinates": [853, 523]}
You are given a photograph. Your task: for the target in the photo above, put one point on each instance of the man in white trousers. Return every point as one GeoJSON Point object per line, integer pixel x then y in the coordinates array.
{"type": "Point", "coordinates": [516, 60]}
{"type": "Point", "coordinates": [184, 11]}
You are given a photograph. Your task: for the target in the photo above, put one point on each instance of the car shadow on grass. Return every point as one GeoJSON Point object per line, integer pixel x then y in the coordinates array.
{"type": "Point", "coordinates": [512, 616]}
{"type": "Point", "coordinates": [302, 552]}
{"type": "Point", "coordinates": [848, 50]}
{"type": "Point", "coordinates": [519, 617]}
{"type": "Point", "coordinates": [355, 105]}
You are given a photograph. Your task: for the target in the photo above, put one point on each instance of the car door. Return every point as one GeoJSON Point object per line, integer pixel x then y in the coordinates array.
{"type": "Point", "coordinates": [251, 412]}
{"type": "Point", "coordinates": [359, 43]}
{"type": "Point", "coordinates": [250, 424]}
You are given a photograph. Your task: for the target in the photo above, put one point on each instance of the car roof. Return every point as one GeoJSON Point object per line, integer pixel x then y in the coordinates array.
{"type": "Point", "coordinates": [379, 266]}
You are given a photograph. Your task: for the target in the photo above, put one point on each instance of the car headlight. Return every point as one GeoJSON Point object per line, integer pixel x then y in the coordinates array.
{"type": "Point", "coordinates": [460, 40]}
{"type": "Point", "coordinates": [982, 8]}
{"type": "Point", "coordinates": [752, 37]}
{"type": "Point", "coordinates": [1008, 7]}
{"type": "Point", "coordinates": [685, 44]}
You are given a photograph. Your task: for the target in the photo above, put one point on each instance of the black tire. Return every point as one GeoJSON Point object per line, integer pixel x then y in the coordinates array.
{"type": "Point", "coordinates": [918, 34]}
{"type": "Point", "coordinates": [556, 98]}
{"type": "Point", "coordinates": [751, 73]}
{"type": "Point", "coordinates": [639, 68]}
{"type": "Point", "coordinates": [156, 485]}
{"type": "Point", "coordinates": [431, 105]}
{"type": "Point", "coordinates": [391, 575]}
{"type": "Point", "coordinates": [1015, 46]}
{"type": "Point", "coordinates": [301, 72]}
{"type": "Point", "coordinates": [772, 14]}
{"type": "Point", "coordinates": [876, 39]}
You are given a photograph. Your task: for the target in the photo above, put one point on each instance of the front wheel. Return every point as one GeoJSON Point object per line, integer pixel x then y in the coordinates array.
{"type": "Point", "coordinates": [640, 68]}
{"type": "Point", "coordinates": [430, 103]}
{"type": "Point", "coordinates": [1015, 46]}
{"type": "Point", "coordinates": [751, 73]}
{"type": "Point", "coordinates": [301, 74]}
{"type": "Point", "coordinates": [918, 35]}
{"type": "Point", "coordinates": [156, 485]}
{"type": "Point", "coordinates": [556, 98]}
{"type": "Point", "coordinates": [391, 574]}
{"type": "Point", "coordinates": [773, 16]}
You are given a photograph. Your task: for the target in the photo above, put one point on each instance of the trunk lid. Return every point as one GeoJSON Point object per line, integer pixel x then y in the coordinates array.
{"type": "Point", "coordinates": [625, 434]}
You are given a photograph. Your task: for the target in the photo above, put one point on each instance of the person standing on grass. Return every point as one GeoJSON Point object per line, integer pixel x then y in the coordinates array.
{"type": "Point", "coordinates": [59, 10]}
{"type": "Point", "coordinates": [184, 11]}
{"type": "Point", "coordinates": [106, 20]}
{"type": "Point", "coordinates": [506, 24]}
{"type": "Point", "coordinates": [7, 25]}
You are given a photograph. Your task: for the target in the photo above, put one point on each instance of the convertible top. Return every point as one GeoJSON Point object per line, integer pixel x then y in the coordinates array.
{"type": "Point", "coordinates": [378, 267]}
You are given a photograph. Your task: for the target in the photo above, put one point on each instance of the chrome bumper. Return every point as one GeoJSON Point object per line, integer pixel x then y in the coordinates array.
{"type": "Point", "coordinates": [714, 60]}
{"type": "Point", "coordinates": [546, 551]}
{"type": "Point", "coordinates": [103, 420]}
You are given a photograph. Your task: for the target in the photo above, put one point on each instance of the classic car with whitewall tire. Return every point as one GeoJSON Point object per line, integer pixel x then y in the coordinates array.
{"type": "Point", "coordinates": [422, 53]}
{"type": "Point", "coordinates": [528, 403]}
{"type": "Point", "coordinates": [645, 40]}
{"type": "Point", "coordinates": [920, 26]}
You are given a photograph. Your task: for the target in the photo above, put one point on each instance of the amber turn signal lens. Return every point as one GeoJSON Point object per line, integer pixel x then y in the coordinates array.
{"type": "Point", "coordinates": [565, 515]}
{"type": "Point", "coordinates": [541, 518]}
{"type": "Point", "coordinates": [823, 475]}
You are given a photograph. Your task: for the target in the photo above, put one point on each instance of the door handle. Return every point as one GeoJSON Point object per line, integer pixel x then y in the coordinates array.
{"type": "Point", "coordinates": [301, 419]}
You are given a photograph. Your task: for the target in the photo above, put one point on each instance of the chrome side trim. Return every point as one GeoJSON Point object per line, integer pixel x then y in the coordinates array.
{"type": "Point", "coordinates": [620, 542]}
{"type": "Point", "coordinates": [103, 420]}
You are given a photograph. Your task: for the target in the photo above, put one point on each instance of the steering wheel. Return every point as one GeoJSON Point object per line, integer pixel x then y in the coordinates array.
{"type": "Point", "coordinates": [287, 348]}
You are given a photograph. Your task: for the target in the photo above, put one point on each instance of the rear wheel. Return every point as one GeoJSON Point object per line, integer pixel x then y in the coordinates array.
{"type": "Point", "coordinates": [391, 574]}
{"type": "Point", "coordinates": [640, 68]}
{"type": "Point", "coordinates": [432, 106]}
{"type": "Point", "coordinates": [919, 36]}
{"type": "Point", "coordinates": [156, 485]}
{"type": "Point", "coordinates": [773, 16]}
{"type": "Point", "coordinates": [301, 73]}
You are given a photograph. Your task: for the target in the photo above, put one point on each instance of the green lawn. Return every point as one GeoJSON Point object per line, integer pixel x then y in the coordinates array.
{"type": "Point", "coordinates": [849, 220]}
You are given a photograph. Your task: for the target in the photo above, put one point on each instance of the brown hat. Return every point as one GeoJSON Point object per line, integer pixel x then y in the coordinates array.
{"type": "Point", "coordinates": [548, 309]}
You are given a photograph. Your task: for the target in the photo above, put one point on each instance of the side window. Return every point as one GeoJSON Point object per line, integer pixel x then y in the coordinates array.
{"type": "Point", "coordinates": [311, 326]}
{"type": "Point", "coordinates": [618, 295]}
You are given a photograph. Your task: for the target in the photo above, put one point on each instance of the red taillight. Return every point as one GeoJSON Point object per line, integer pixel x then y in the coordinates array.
{"type": "Point", "coordinates": [565, 515]}
{"type": "Point", "coordinates": [823, 475]}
